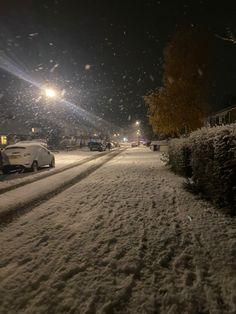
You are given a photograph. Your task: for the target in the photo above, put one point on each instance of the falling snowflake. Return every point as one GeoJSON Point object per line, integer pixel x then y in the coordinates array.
{"type": "Point", "coordinates": [87, 67]}
{"type": "Point", "coordinates": [151, 77]}
{"type": "Point", "coordinates": [200, 72]}
{"type": "Point", "coordinates": [170, 79]}
{"type": "Point", "coordinates": [54, 67]}
{"type": "Point", "coordinates": [38, 99]}
{"type": "Point", "coordinates": [33, 34]}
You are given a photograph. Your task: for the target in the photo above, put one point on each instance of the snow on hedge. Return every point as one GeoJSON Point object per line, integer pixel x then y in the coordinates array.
{"type": "Point", "coordinates": [208, 156]}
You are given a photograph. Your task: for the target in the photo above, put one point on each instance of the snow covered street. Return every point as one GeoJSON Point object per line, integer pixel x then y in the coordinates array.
{"type": "Point", "coordinates": [125, 239]}
{"type": "Point", "coordinates": [63, 159]}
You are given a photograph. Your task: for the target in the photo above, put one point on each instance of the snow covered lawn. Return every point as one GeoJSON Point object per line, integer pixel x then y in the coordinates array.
{"type": "Point", "coordinates": [126, 239]}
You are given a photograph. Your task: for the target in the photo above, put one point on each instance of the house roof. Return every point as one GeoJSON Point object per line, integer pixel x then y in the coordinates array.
{"type": "Point", "coordinates": [9, 126]}
{"type": "Point", "coordinates": [224, 110]}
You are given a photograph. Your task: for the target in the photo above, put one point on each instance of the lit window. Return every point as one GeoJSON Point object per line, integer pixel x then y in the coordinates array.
{"type": "Point", "coordinates": [3, 140]}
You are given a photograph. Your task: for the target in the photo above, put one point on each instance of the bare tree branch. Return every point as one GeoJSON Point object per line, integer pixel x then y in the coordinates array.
{"type": "Point", "coordinates": [231, 37]}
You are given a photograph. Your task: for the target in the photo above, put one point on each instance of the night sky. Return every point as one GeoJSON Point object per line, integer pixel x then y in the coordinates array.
{"type": "Point", "coordinates": [106, 55]}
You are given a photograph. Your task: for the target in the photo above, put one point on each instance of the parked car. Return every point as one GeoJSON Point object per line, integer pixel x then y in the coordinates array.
{"type": "Point", "coordinates": [134, 144]}
{"type": "Point", "coordinates": [113, 145]}
{"type": "Point", "coordinates": [25, 155]}
{"type": "Point", "coordinates": [116, 144]}
{"type": "Point", "coordinates": [110, 145]}
{"type": "Point", "coordinates": [97, 146]}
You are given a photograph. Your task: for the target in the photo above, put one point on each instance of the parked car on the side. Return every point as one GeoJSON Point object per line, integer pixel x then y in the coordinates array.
{"type": "Point", "coordinates": [97, 146]}
{"type": "Point", "coordinates": [134, 144]}
{"type": "Point", "coordinates": [25, 155]}
{"type": "Point", "coordinates": [113, 145]}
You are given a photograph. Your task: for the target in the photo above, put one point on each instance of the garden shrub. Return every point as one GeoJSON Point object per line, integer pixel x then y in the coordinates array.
{"type": "Point", "coordinates": [208, 156]}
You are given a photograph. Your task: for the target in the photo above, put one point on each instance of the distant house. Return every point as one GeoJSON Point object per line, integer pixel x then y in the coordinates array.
{"type": "Point", "coordinates": [224, 116]}
{"type": "Point", "coordinates": [11, 130]}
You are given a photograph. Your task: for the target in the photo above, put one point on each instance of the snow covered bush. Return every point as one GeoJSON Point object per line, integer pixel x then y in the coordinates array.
{"type": "Point", "coordinates": [208, 156]}
{"type": "Point", "coordinates": [179, 156]}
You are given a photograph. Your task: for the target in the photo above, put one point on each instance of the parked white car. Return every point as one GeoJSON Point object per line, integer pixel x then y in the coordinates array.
{"type": "Point", "coordinates": [26, 155]}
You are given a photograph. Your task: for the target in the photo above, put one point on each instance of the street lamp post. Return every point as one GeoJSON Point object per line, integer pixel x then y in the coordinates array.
{"type": "Point", "coordinates": [137, 124]}
{"type": "Point", "coordinates": [50, 95]}
{"type": "Point", "coordinates": [138, 137]}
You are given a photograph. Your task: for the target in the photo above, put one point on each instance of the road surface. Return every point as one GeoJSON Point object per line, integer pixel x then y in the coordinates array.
{"type": "Point", "coordinates": [62, 159]}
{"type": "Point", "coordinates": [125, 239]}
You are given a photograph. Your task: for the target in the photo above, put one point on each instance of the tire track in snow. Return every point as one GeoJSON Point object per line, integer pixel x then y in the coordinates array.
{"type": "Point", "coordinates": [51, 173]}
{"type": "Point", "coordinates": [21, 210]}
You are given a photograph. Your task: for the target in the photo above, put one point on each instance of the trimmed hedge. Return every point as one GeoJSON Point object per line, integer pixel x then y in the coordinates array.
{"type": "Point", "coordinates": [208, 157]}
{"type": "Point", "coordinates": [180, 157]}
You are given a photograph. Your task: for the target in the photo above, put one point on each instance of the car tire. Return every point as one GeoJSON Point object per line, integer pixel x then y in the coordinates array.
{"type": "Point", "coordinates": [34, 166]}
{"type": "Point", "coordinates": [52, 164]}
{"type": "Point", "coordinates": [22, 170]}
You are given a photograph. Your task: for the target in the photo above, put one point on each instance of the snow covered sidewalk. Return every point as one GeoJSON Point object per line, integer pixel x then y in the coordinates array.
{"type": "Point", "coordinates": [126, 239]}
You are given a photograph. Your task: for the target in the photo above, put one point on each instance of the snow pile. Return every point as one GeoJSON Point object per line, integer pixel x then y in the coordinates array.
{"type": "Point", "coordinates": [208, 156]}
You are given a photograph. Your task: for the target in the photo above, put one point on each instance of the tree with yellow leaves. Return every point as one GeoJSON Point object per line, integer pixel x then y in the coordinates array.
{"type": "Point", "coordinates": [180, 105]}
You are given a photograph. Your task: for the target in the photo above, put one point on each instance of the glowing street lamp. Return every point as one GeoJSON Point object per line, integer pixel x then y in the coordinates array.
{"type": "Point", "coordinates": [137, 122]}
{"type": "Point", "coordinates": [51, 93]}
